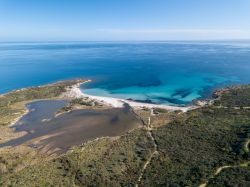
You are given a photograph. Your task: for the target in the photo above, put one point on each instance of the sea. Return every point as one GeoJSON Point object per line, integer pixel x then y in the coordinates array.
{"type": "Point", "coordinates": [171, 73]}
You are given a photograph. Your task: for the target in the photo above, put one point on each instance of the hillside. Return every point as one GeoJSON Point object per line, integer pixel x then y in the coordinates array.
{"type": "Point", "coordinates": [208, 146]}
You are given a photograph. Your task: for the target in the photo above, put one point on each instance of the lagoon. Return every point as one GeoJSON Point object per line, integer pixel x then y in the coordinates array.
{"type": "Point", "coordinates": [57, 134]}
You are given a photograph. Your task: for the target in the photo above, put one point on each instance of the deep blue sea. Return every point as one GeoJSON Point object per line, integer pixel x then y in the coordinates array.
{"type": "Point", "coordinates": [157, 72]}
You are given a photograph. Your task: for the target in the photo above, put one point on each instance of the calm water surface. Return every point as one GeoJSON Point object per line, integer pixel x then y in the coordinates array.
{"type": "Point", "coordinates": [163, 72]}
{"type": "Point", "coordinates": [60, 133]}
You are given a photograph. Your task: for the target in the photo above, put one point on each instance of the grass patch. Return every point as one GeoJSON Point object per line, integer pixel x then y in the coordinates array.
{"type": "Point", "coordinates": [105, 162]}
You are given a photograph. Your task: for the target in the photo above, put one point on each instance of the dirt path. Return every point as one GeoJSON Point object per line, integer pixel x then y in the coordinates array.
{"type": "Point", "coordinates": [220, 169]}
{"type": "Point", "coordinates": [237, 108]}
{"type": "Point", "coordinates": [246, 146]}
{"type": "Point", "coordinates": [155, 152]}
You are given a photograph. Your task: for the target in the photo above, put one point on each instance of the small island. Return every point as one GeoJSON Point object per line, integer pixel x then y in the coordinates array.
{"type": "Point", "coordinates": [86, 141]}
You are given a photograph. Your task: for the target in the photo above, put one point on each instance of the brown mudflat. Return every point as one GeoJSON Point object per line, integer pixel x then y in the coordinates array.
{"type": "Point", "coordinates": [59, 134]}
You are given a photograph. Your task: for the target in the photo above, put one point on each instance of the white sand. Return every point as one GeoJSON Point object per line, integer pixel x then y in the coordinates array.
{"type": "Point", "coordinates": [75, 92]}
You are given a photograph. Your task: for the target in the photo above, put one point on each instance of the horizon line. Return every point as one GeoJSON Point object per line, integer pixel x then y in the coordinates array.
{"type": "Point", "coordinates": [169, 40]}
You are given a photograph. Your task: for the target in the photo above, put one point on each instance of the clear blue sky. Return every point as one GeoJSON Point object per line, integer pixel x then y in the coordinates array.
{"type": "Point", "coordinates": [54, 20]}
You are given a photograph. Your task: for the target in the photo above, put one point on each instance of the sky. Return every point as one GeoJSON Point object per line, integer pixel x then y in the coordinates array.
{"type": "Point", "coordinates": [124, 20]}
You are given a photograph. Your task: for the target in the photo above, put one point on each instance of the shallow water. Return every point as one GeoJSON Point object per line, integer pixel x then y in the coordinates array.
{"type": "Point", "coordinates": [163, 72]}
{"type": "Point", "coordinates": [39, 111]}
{"type": "Point", "coordinates": [70, 129]}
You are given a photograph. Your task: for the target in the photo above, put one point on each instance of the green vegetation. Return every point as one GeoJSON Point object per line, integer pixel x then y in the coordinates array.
{"type": "Point", "coordinates": [12, 105]}
{"type": "Point", "coordinates": [237, 176]}
{"type": "Point", "coordinates": [191, 147]}
{"type": "Point", "coordinates": [81, 103]}
{"type": "Point", "coordinates": [197, 143]}
{"type": "Point", "coordinates": [75, 102]}
{"type": "Point", "coordinates": [14, 160]}
{"type": "Point", "coordinates": [159, 110]}
{"type": "Point", "coordinates": [234, 97]}
{"type": "Point", "coordinates": [106, 162]}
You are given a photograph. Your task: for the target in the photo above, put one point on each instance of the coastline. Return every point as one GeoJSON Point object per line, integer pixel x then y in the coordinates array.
{"type": "Point", "coordinates": [75, 92]}
{"type": "Point", "coordinates": [19, 117]}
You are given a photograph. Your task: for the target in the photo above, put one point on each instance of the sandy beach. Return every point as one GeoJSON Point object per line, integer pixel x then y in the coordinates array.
{"type": "Point", "coordinates": [76, 92]}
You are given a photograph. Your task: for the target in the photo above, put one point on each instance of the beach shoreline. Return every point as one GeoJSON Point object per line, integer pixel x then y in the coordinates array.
{"type": "Point", "coordinates": [76, 92]}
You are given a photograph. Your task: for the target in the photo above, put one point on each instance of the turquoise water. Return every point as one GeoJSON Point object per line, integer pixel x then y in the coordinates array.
{"type": "Point", "coordinates": [161, 72]}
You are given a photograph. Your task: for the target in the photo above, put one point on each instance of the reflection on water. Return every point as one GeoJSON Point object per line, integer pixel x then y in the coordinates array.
{"type": "Point", "coordinates": [69, 129]}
